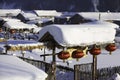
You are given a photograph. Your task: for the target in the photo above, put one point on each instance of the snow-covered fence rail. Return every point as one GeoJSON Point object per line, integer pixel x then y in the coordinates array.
{"type": "Point", "coordinates": [84, 72]}
{"type": "Point", "coordinates": [47, 67]}
{"type": "Point", "coordinates": [80, 71]}
{"type": "Point", "coordinates": [40, 64]}
{"type": "Point", "coordinates": [43, 65]}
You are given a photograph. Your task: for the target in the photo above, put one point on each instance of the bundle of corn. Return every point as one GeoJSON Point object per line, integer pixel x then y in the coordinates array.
{"type": "Point", "coordinates": [40, 46]}
{"type": "Point", "coordinates": [17, 48]}
{"type": "Point", "coordinates": [2, 40]}
{"type": "Point", "coordinates": [29, 48]}
{"type": "Point", "coordinates": [13, 48]}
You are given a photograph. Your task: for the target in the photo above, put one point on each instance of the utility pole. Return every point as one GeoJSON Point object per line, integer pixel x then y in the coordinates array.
{"type": "Point", "coordinates": [94, 66]}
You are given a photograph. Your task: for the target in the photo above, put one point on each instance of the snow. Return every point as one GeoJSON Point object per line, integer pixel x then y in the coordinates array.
{"type": "Point", "coordinates": [104, 59]}
{"type": "Point", "coordinates": [97, 32]}
{"type": "Point", "coordinates": [16, 44]}
{"type": "Point", "coordinates": [101, 15]}
{"type": "Point", "coordinates": [92, 15]}
{"type": "Point", "coordinates": [10, 19]}
{"type": "Point", "coordinates": [117, 39]}
{"type": "Point", "coordinates": [115, 77]}
{"type": "Point", "coordinates": [13, 68]}
{"type": "Point", "coordinates": [9, 12]}
{"type": "Point", "coordinates": [45, 13]}
{"type": "Point", "coordinates": [18, 25]}
{"type": "Point", "coordinates": [29, 15]}
{"type": "Point", "coordinates": [110, 16]}
{"type": "Point", "coordinates": [39, 21]}
{"type": "Point", "coordinates": [22, 42]}
{"type": "Point", "coordinates": [71, 35]}
{"type": "Point", "coordinates": [37, 29]}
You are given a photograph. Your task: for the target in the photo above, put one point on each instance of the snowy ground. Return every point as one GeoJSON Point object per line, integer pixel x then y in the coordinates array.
{"type": "Point", "coordinates": [104, 59]}
{"type": "Point", "coordinates": [13, 68]}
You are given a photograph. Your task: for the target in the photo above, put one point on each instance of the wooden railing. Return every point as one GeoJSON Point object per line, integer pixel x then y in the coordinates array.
{"type": "Point", "coordinates": [80, 71]}
{"type": "Point", "coordinates": [106, 73]}
{"type": "Point", "coordinates": [83, 71]}
{"type": "Point", "coordinates": [47, 67]}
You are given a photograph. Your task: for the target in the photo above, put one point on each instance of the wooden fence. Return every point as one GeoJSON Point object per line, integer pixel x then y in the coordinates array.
{"type": "Point", "coordinates": [106, 73]}
{"type": "Point", "coordinates": [83, 71]}
{"type": "Point", "coordinates": [80, 71]}
{"type": "Point", "coordinates": [42, 64]}
{"type": "Point", "coordinates": [47, 67]}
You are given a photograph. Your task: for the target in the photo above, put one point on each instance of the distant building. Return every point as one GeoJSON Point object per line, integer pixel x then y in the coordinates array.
{"type": "Point", "coordinates": [47, 13]}
{"type": "Point", "coordinates": [25, 16]}
{"type": "Point", "coordinates": [9, 12]}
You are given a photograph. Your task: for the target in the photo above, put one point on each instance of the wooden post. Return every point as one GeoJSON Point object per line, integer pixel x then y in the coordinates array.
{"type": "Point", "coordinates": [6, 50]}
{"type": "Point", "coordinates": [54, 63]}
{"type": "Point", "coordinates": [99, 16]}
{"type": "Point", "coordinates": [6, 43]}
{"type": "Point", "coordinates": [94, 66]}
{"type": "Point", "coordinates": [52, 71]}
{"type": "Point", "coordinates": [44, 58]}
{"type": "Point", "coordinates": [76, 72]}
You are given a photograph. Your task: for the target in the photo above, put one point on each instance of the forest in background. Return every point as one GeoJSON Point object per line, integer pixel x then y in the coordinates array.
{"type": "Point", "coordinates": [63, 5]}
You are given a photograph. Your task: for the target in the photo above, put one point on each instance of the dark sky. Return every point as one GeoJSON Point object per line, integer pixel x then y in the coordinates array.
{"type": "Point", "coordinates": [61, 5]}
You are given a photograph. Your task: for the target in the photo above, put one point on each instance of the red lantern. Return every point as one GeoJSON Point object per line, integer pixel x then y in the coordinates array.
{"type": "Point", "coordinates": [63, 55]}
{"type": "Point", "coordinates": [111, 47]}
{"type": "Point", "coordinates": [12, 31]}
{"type": "Point", "coordinates": [95, 50]}
{"type": "Point", "coordinates": [0, 29]}
{"type": "Point", "coordinates": [77, 54]}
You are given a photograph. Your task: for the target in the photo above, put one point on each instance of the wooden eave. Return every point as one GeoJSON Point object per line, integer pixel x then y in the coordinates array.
{"type": "Point", "coordinates": [47, 37]}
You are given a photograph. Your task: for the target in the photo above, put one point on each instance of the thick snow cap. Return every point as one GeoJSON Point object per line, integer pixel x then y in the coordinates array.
{"type": "Point", "coordinates": [96, 32]}
{"type": "Point", "coordinates": [18, 25]}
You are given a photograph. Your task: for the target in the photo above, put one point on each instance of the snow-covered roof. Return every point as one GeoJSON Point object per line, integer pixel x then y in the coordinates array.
{"type": "Point", "coordinates": [101, 15]}
{"type": "Point", "coordinates": [110, 16]}
{"type": "Point", "coordinates": [81, 34]}
{"type": "Point", "coordinates": [9, 12]}
{"type": "Point", "coordinates": [46, 13]}
{"type": "Point", "coordinates": [92, 15]}
{"type": "Point", "coordinates": [68, 14]}
{"type": "Point", "coordinates": [37, 29]}
{"type": "Point", "coordinates": [13, 68]}
{"type": "Point", "coordinates": [9, 19]}
{"type": "Point", "coordinates": [39, 21]}
{"type": "Point", "coordinates": [18, 25]}
{"type": "Point", "coordinates": [29, 15]}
